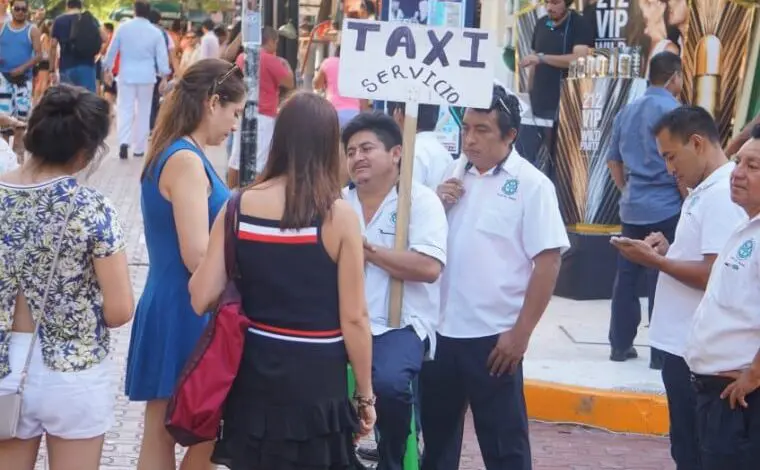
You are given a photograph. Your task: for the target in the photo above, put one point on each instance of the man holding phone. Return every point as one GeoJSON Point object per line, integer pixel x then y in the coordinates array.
{"type": "Point", "coordinates": [650, 200]}
{"type": "Point", "coordinates": [689, 142]}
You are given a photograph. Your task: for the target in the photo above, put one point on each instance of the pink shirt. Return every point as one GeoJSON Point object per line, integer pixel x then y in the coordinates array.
{"type": "Point", "coordinates": [273, 71]}
{"type": "Point", "coordinates": [330, 68]}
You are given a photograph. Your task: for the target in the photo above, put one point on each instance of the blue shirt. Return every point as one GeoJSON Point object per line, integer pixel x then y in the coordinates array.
{"type": "Point", "coordinates": [61, 33]}
{"type": "Point", "coordinates": [651, 194]}
{"type": "Point", "coordinates": [16, 46]}
{"type": "Point", "coordinates": [143, 51]}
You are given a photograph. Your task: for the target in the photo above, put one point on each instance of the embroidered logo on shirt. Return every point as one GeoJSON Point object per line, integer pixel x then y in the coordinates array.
{"type": "Point", "coordinates": [393, 218]}
{"type": "Point", "coordinates": [509, 189]}
{"type": "Point", "coordinates": [745, 251]}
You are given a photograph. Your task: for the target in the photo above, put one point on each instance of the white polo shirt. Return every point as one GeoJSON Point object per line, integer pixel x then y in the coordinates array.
{"type": "Point", "coordinates": [428, 231]}
{"type": "Point", "coordinates": [708, 219]}
{"type": "Point", "coordinates": [431, 160]}
{"type": "Point", "coordinates": [725, 333]}
{"type": "Point", "coordinates": [505, 218]}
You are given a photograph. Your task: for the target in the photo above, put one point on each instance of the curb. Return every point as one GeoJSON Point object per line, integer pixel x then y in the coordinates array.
{"type": "Point", "coordinates": [617, 411]}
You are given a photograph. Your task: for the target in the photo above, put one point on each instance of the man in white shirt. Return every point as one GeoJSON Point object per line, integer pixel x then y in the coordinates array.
{"type": "Point", "coordinates": [431, 159]}
{"type": "Point", "coordinates": [723, 349]}
{"type": "Point", "coordinates": [372, 143]}
{"type": "Point", "coordinates": [143, 56]}
{"type": "Point", "coordinates": [505, 244]}
{"type": "Point", "coordinates": [209, 41]}
{"type": "Point", "coordinates": [689, 141]}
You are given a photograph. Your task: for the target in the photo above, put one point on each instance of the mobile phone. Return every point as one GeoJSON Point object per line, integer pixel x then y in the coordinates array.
{"type": "Point", "coordinates": [621, 241]}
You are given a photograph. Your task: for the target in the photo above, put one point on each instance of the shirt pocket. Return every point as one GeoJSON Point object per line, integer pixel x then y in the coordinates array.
{"type": "Point", "coordinates": [734, 283]}
{"type": "Point", "coordinates": [500, 224]}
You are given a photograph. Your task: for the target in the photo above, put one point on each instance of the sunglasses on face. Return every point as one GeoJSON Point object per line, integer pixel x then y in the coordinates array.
{"type": "Point", "coordinates": [20, 9]}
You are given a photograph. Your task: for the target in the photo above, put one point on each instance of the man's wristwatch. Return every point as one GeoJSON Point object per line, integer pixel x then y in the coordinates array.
{"type": "Point", "coordinates": [540, 57]}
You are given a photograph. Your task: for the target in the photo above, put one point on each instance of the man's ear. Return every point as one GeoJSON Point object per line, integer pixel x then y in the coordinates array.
{"type": "Point", "coordinates": [397, 152]}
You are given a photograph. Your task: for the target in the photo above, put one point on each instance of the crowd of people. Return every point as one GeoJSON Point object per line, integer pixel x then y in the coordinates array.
{"type": "Point", "coordinates": [315, 259]}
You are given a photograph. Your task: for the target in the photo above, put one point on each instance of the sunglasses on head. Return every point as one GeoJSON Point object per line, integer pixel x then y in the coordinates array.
{"type": "Point", "coordinates": [217, 83]}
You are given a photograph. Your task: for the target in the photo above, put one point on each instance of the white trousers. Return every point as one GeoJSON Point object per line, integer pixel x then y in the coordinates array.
{"type": "Point", "coordinates": [264, 131]}
{"type": "Point", "coordinates": [133, 104]}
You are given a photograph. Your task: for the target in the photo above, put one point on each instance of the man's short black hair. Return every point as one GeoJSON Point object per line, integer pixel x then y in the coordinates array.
{"type": "Point", "coordinates": [507, 107]}
{"type": "Point", "coordinates": [427, 115]}
{"type": "Point", "coordinates": [686, 121]}
{"type": "Point", "coordinates": [377, 122]}
{"type": "Point", "coordinates": [142, 9]}
{"type": "Point", "coordinates": [154, 16]}
{"type": "Point", "coordinates": [108, 27]}
{"type": "Point", "coordinates": [663, 66]}
{"type": "Point", "coordinates": [74, 4]}
{"type": "Point", "coordinates": [208, 24]}
{"type": "Point", "coordinates": [268, 33]}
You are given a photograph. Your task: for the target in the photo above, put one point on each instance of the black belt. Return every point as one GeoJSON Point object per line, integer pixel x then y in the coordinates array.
{"type": "Point", "coordinates": [710, 383]}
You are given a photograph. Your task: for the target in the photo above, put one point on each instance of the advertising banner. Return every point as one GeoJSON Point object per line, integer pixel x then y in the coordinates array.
{"type": "Point", "coordinates": [587, 109]}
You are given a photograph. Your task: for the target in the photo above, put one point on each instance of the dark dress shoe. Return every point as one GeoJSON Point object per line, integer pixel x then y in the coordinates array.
{"type": "Point", "coordinates": [622, 355]}
{"type": "Point", "coordinates": [124, 151]}
{"type": "Point", "coordinates": [655, 362]}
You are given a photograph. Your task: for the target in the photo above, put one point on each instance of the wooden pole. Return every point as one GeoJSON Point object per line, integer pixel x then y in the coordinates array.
{"type": "Point", "coordinates": [403, 210]}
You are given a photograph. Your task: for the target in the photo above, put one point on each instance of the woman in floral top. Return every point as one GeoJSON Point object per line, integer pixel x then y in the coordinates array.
{"type": "Point", "coordinates": [68, 394]}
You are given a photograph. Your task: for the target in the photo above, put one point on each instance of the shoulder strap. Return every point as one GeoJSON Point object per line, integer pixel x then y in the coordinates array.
{"type": "Point", "coordinates": [51, 275]}
{"type": "Point", "coordinates": [230, 235]}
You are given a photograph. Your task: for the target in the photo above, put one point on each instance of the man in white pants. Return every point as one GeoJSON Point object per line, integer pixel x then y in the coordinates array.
{"type": "Point", "coordinates": [144, 55]}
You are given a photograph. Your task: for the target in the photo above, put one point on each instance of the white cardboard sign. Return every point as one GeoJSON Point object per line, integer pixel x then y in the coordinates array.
{"type": "Point", "coordinates": [416, 63]}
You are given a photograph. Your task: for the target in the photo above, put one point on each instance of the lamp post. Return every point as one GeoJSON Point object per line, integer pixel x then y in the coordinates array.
{"type": "Point", "coordinates": [251, 31]}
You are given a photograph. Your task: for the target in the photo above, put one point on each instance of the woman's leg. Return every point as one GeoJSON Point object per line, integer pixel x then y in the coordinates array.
{"type": "Point", "coordinates": [157, 448]}
{"type": "Point", "coordinates": [19, 454]}
{"type": "Point", "coordinates": [198, 457]}
{"type": "Point", "coordinates": [74, 454]}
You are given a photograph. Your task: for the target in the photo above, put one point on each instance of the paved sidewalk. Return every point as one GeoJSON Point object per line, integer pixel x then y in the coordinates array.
{"type": "Point", "coordinates": [555, 447]}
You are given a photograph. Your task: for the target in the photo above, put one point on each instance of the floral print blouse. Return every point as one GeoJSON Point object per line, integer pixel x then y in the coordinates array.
{"type": "Point", "coordinates": [73, 335]}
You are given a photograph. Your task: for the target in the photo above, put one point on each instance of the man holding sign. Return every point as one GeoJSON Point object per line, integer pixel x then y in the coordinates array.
{"type": "Point", "coordinates": [505, 248]}
{"type": "Point", "coordinates": [373, 152]}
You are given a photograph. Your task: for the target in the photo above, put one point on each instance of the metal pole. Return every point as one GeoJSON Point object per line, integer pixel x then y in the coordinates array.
{"type": "Point", "coordinates": [252, 14]}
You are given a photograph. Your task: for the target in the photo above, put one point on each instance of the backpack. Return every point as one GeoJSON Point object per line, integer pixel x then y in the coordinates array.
{"type": "Point", "coordinates": [84, 38]}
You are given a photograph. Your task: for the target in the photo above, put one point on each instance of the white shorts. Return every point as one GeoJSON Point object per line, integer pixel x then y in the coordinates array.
{"type": "Point", "coordinates": [69, 405]}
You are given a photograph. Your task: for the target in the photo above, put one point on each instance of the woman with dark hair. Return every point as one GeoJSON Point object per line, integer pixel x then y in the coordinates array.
{"type": "Point", "coordinates": [301, 265]}
{"type": "Point", "coordinates": [64, 283]}
{"type": "Point", "coordinates": [181, 195]}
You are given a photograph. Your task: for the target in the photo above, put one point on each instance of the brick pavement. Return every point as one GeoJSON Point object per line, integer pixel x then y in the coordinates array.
{"type": "Point", "coordinates": [555, 447]}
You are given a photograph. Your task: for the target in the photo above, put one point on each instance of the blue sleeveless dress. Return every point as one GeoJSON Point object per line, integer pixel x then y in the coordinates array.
{"type": "Point", "coordinates": [165, 327]}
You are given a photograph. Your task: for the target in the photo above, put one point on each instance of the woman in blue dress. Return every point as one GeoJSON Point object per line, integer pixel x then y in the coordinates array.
{"type": "Point", "coordinates": [181, 195]}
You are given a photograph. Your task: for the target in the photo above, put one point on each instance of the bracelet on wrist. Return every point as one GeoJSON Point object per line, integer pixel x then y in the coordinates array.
{"type": "Point", "coordinates": [363, 402]}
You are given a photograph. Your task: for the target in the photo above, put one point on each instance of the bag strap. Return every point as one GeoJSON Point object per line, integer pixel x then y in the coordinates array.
{"type": "Point", "coordinates": [230, 235]}
{"type": "Point", "coordinates": [51, 275]}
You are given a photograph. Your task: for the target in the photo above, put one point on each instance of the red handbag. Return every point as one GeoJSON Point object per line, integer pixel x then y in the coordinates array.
{"type": "Point", "coordinates": [195, 408]}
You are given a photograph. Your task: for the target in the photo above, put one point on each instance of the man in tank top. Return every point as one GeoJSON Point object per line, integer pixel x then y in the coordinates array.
{"type": "Point", "coordinates": [20, 50]}
{"type": "Point", "coordinates": [373, 151]}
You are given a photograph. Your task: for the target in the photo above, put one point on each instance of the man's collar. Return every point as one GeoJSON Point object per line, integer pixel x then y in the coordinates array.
{"type": "Point", "coordinates": [509, 164]}
{"type": "Point", "coordinates": [660, 91]}
{"type": "Point", "coordinates": [719, 173]}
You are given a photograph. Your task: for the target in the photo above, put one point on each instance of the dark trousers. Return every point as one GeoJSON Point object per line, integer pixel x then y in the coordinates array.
{"type": "Point", "coordinates": [729, 439]}
{"type": "Point", "coordinates": [154, 105]}
{"type": "Point", "coordinates": [626, 308]}
{"type": "Point", "coordinates": [459, 376]}
{"type": "Point", "coordinates": [682, 410]}
{"type": "Point", "coordinates": [396, 361]}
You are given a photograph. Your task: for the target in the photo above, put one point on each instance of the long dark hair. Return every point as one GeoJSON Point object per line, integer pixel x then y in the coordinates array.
{"type": "Point", "coordinates": [309, 162]}
{"type": "Point", "coordinates": [183, 110]}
